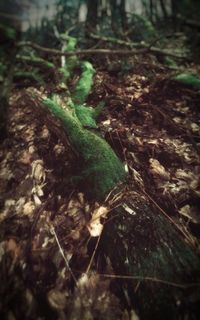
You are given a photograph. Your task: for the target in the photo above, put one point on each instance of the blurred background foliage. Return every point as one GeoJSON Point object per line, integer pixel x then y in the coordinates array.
{"type": "Point", "coordinates": [133, 19]}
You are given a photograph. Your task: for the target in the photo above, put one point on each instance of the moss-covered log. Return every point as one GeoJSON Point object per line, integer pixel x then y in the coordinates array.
{"type": "Point", "coordinates": [36, 61]}
{"type": "Point", "coordinates": [100, 169]}
{"type": "Point", "coordinates": [84, 84]}
{"type": "Point", "coordinates": [141, 242]}
{"type": "Point", "coordinates": [27, 76]}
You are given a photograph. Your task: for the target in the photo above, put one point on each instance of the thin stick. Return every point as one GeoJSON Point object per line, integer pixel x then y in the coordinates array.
{"type": "Point", "coordinates": [93, 254]}
{"type": "Point", "coordinates": [63, 255]}
{"type": "Point", "coordinates": [173, 284]}
{"type": "Point", "coordinates": [171, 220]}
{"type": "Point", "coordinates": [100, 51]}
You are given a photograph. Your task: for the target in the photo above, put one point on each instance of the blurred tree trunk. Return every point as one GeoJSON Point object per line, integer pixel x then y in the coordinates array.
{"type": "Point", "coordinates": [164, 10]}
{"type": "Point", "coordinates": [118, 16]}
{"type": "Point", "coordinates": [122, 8]}
{"type": "Point", "coordinates": [114, 15]}
{"type": "Point", "coordinates": [174, 9]}
{"type": "Point", "coordinates": [151, 10]}
{"type": "Point", "coordinates": [145, 8]}
{"type": "Point", "coordinates": [92, 15]}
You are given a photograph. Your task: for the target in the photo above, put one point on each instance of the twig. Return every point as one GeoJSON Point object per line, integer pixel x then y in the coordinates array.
{"type": "Point", "coordinates": [63, 255]}
{"type": "Point", "coordinates": [141, 50]}
{"type": "Point", "coordinates": [137, 45]}
{"type": "Point", "coordinates": [115, 41]}
{"type": "Point", "coordinates": [35, 61]}
{"type": "Point", "coordinates": [173, 284]}
{"type": "Point", "coordinates": [93, 254]}
{"type": "Point", "coordinates": [171, 220]}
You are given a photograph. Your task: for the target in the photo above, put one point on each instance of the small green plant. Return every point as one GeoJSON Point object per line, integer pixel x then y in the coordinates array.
{"type": "Point", "coordinates": [188, 79]}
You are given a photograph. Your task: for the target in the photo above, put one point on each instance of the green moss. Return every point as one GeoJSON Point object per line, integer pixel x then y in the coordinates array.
{"type": "Point", "coordinates": [84, 84]}
{"type": "Point", "coordinates": [32, 76]}
{"type": "Point", "coordinates": [88, 115]}
{"type": "Point", "coordinates": [72, 61]}
{"type": "Point", "coordinates": [169, 62]}
{"type": "Point", "coordinates": [35, 61]}
{"type": "Point", "coordinates": [65, 73]}
{"type": "Point", "coordinates": [188, 79]}
{"type": "Point", "coordinates": [71, 43]}
{"type": "Point", "coordinates": [85, 116]}
{"type": "Point", "coordinates": [101, 169]}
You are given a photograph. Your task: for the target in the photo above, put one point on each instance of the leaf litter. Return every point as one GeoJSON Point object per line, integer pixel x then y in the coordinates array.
{"type": "Point", "coordinates": [49, 228]}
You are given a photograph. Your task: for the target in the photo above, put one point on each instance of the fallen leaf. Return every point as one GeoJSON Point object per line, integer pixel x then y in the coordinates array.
{"type": "Point", "coordinates": [45, 133]}
{"type": "Point", "coordinates": [38, 172]}
{"type": "Point", "coordinates": [95, 227]}
{"type": "Point", "coordinates": [57, 299]}
{"type": "Point", "coordinates": [157, 169]}
{"type": "Point", "coordinates": [13, 247]}
{"type": "Point", "coordinates": [191, 212]}
{"type": "Point", "coordinates": [25, 158]}
{"type": "Point", "coordinates": [29, 208]}
{"type": "Point", "coordinates": [106, 122]}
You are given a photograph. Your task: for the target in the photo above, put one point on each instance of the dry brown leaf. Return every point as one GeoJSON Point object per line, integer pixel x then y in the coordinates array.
{"type": "Point", "coordinates": [57, 299]}
{"type": "Point", "coordinates": [45, 133]}
{"type": "Point", "coordinates": [190, 212]}
{"type": "Point", "coordinates": [195, 128]}
{"type": "Point", "coordinates": [95, 227]}
{"type": "Point", "coordinates": [25, 158]}
{"type": "Point", "coordinates": [59, 149]}
{"type": "Point", "coordinates": [157, 169]}
{"type": "Point", "coordinates": [38, 171]}
{"type": "Point", "coordinates": [13, 247]}
{"type": "Point", "coordinates": [29, 208]}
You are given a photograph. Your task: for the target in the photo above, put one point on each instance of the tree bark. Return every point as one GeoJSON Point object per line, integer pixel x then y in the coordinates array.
{"type": "Point", "coordinates": [174, 9]}
{"type": "Point", "coordinates": [145, 246]}
{"type": "Point", "coordinates": [92, 15]}
{"type": "Point", "coordinates": [123, 14]}
{"type": "Point", "coordinates": [164, 11]}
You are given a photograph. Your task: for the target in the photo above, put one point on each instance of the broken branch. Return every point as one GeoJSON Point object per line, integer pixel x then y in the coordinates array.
{"type": "Point", "coordinates": [143, 50]}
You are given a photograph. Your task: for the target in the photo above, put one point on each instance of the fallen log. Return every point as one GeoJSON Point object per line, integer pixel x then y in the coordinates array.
{"type": "Point", "coordinates": [160, 272]}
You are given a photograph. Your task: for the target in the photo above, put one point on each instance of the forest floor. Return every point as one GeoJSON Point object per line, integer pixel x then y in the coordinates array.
{"type": "Point", "coordinates": [153, 125]}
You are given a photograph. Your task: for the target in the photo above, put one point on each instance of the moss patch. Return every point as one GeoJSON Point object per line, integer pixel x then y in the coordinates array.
{"type": "Point", "coordinates": [88, 115]}
{"type": "Point", "coordinates": [188, 79]}
{"type": "Point", "coordinates": [28, 75]}
{"type": "Point", "coordinates": [72, 61]}
{"type": "Point", "coordinates": [101, 169]}
{"type": "Point", "coordinates": [84, 84]}
{"type": "Point", "coordinates": [85, 116]}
